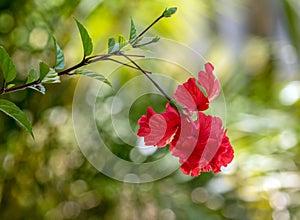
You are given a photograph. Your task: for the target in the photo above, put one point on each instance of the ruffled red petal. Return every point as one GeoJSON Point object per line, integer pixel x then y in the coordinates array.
{"type": "Point", "coordinates": [159, 129]}
{"type": "Point", "coordinates": [190, 95]}
{"type": "Point", "coordinates": [206, 150]}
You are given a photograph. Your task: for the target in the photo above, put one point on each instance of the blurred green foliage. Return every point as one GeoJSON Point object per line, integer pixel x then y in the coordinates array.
{"type": "Point", "coordinates": [254, 46]}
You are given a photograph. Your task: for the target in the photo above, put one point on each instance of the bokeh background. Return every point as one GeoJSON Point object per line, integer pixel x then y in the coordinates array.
{"type": "Point", "coordinates": [255, 47]}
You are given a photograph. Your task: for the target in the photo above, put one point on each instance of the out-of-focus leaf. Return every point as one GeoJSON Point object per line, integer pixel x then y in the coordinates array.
{"type": "Point", "coordinates": [112, 45]}
{"type": "Point", "coordinates": [51, 77]}
{"type": "Point", "coordinates": [7, 65]}
{"type": "Point", "coordinates": [122, 41]}
{"type": "Point", "coordinates": [59, 56]}
{"type": "Point", "coordinates": [85, 39]}
{"type": "Point", "coordinates": [93, 75]}
{"type": "Point", "coordinates": [292, 23]}
{"type": "Point", "coordinates": [33, 76]}
{"type": "Point", "coordinates": [38, 87]}
{"type": "Point", "coordinates": [15, 112]}
{"type": "Point", "coordinates": [132, 34]}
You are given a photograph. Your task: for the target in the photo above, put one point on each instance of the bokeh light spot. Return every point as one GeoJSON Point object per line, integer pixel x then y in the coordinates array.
{"type": "Point", "coordinates": [290, 93]}
{"type": "Point", "coordinates": [136, 156]}
{"type": "Point", "coordinates": [6, 22]}
{"type": "Point", "coordinates": [199, 195]}
{"type": "Point", "coordinates": [78, 187]}
{"type": "Point", "coordinates": [71, 209]}
{"type": "Point", "coordinates": [38, 38]}
{"type": "Point", "coordinates": [280, 200]}
{"type": "Point", "coordinates": [287, 139]}
{"type": "Point", "coordinates": [167, 214]}
{"type": "Point", "coordinates": [143, 149]}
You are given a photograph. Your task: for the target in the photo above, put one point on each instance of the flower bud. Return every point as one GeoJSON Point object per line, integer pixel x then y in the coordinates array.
{"type": "Point", "coordinates": [169, 12]}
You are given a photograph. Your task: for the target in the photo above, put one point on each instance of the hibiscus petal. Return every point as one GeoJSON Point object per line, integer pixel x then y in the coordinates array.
{"type": "Point", "coordinates": [203, 150]}
{"type": "Point", "coordinates": [209, 82]}
{"type": "Point", "coordinates": [158, 128]}
{"type": "Point", "coordinates": [144, 123]}
{"type": "Point", "coordinates": [224, 156]}
{"type": "Point", "coordinates": [209, 68]}
{"type": "Point", "coordinates": [144, 128]}
{"type": "Point", "coordinates": [213, 142]}
{"type": "Point", "coordinates": [190, 95]}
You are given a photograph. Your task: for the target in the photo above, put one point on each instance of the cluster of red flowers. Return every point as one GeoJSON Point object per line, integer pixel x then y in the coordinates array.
{"type": "Point", "coordinates": [201, 145]}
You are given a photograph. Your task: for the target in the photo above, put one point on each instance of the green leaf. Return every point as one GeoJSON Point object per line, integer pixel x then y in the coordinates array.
{"type": "Point", "coordinates": [44, 69]}
{"type": "Point", "coordinates": [51, 77]}
{"type": "Point", "coordinates": [122, 41]}
{"type": "Point", "coordinates": [112, 45]}
{"type": "Point", "coordinates": [132, 34]}
{"type": "Point", "coordinates": [38, 87]}
{"type": "Point", "coordinates": [93, 75]}
{"type": "Point", "coordinates": [10, 85]}
{"type": "Point", "coordinates": [47, 74]}
{"type": "Point", "coordinates": [59, 56]}
{"type": "Point", "coordinates": [33, 76]}
{"type": "Point", "coordinates": [8, 67]}
{"type": "Point", "coordinates": [86, 39]}
{"type": "Point", "coordinates": [169, 12]}
{"type": "Point", "coordinates": [15, 112]}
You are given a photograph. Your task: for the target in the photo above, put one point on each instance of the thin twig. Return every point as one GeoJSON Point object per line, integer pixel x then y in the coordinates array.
{"type": "Point", "coordinates": [67, 71]}
{"type": "Point", "coordinates": [125, 64]}
{"type": "Point", "coordinates": [144, 31]}
{"type": "Point", "coordinates": [143, 44]}
{"type": "Point", "coordinates": [21, 87]}
{"type": "Point", "coordinates": [154, 83]}
{"type": "Point", "coordinates": [95, 58]}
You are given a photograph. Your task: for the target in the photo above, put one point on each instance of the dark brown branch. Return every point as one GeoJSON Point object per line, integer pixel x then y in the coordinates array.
{"type": "Point", "coordinates": [69, 70]}
{"type": "Point", "coordinates": [18, 88]}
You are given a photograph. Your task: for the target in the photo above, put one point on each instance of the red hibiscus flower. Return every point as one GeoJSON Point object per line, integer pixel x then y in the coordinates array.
{"type": "Point", "coordinates": [201, 145]}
